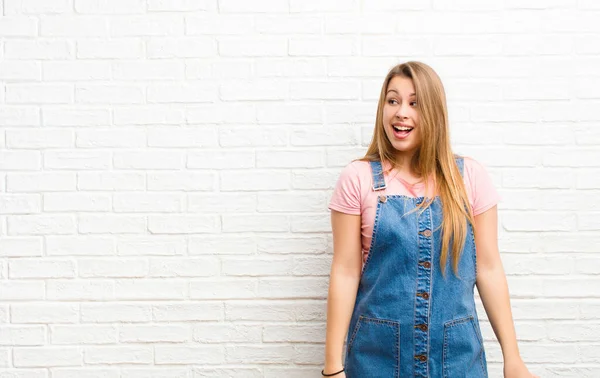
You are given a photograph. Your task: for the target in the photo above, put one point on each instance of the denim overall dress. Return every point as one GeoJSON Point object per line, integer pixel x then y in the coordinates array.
{"type": "Point", "coordinates": [408, 320]}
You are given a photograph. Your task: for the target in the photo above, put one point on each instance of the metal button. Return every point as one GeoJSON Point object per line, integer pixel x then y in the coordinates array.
{"type": "Point", "coordinates": [382, 199]}
{"type": "Point", "coordinates": [422, 327]}
{"type": "Point", "coordinates": [421, 357]}
{"type": "Point", "coordinates": [424, 295]}
{"type": "Point", "coordinates": [426, 264]}
{"type": "Point", "coordinates": [427, 233]}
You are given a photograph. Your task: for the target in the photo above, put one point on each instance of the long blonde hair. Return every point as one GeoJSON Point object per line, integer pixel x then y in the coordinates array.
{"type": "Point", "coordinates": [433, 159]}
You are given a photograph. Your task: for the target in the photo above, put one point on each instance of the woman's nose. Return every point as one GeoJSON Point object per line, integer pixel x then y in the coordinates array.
{"type": "Point", "coordinates": [401, 112]}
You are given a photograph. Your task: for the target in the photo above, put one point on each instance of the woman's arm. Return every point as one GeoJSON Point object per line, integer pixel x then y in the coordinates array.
{"type": "Point", "coordinates": [493, 290]}
{"type": "Point", "coordinates": [343, 285]}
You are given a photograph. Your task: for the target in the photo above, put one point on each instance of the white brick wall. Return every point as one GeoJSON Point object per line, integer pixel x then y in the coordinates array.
{"type": "Point", "coordinates": [165, 169]}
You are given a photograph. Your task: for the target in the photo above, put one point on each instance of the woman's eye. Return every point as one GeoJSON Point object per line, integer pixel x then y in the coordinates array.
{"type": "Point", "coordinates": [414, 102]}
{"type": "Point", "coordinates": [391, 101]}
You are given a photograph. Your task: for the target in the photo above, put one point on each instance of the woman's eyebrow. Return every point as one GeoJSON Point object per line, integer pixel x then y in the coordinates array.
{"type": "Point", "coordinates": [393, 90]}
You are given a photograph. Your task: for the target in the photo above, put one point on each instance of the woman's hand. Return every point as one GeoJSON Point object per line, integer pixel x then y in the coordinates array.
{"type": "Point", "coordinates": [517, 369]}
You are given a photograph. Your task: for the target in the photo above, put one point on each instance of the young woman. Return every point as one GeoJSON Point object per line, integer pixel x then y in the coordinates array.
{"type": "Point", "coordinates": [414, 230]}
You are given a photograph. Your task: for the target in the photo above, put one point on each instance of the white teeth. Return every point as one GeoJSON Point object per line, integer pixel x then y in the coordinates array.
{"type": "Point", "coordinates": [403, 128]}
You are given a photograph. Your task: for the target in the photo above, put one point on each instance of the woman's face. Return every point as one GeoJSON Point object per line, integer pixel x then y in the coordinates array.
{"type": "Point", "coordinates": [400, 116]}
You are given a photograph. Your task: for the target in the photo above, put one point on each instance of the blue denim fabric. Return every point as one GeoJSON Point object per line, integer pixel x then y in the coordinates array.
{"type": "Point", "coordinates": [408, 320]}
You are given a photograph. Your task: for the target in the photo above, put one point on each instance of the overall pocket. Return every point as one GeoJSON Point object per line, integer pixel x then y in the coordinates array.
{"type": "Point", "coordinates": [374, 349]}
{"type": "Point", "coordinates": [463, 349]}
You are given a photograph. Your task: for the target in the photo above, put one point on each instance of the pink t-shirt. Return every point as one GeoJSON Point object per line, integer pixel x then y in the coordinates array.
{"type": "Point", "coordinates": [353, 193]}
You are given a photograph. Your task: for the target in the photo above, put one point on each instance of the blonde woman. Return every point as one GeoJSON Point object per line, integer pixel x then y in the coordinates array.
{"type": "Point", "coordinates": [414, 230]}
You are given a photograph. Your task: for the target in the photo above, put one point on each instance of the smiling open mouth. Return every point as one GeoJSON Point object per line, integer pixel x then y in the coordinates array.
{"type": "Point", "coordinates": [402, 128]}
{"type": "Point", "coordinates": [402, 132]}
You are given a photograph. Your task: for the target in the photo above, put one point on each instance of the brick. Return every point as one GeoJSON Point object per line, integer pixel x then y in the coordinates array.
{"type": "Point", "coordinates": [266, 354]}
{"type": "Point", "coordinates": [39, 94]}
{"type": "Point", "coordinates": [22, 291]}
{"type": "Point", "coordinates": [80, 290]}
{"type": "Point", "coordinates": [20, 116]}
{"type": "Point", "coordinates": [78, 160]}
{"type": "Point", "coordinates": [182, 355]}
{"type": "Point", "coordinates": [183, 224]}
{"type": "Point", "coordinates": [121, 48]}
{"type": "Point", "coordinates": [39, 138]}
{"type": "Point", "coordinates": [118, 224]}
{"type": "Point", "coordinates": [219, 24]}
{"type": "Point", "coordinates": [18, 27]}
{"type": "Point", "coordinates": [184, 267]}
{"type": "Point", "coordinates": [148, 70]}
{"type": "Point", "coordinates": [323, 46]}
{"type": "Point", "coordinates": [257, 267]}
{"type": "Point", "coordinates": [147, 25]}
{"type": "Point", "coordinates": [254, 181]}
{"type": "Point", "coordinates": [116, 312]}
{"type": "Point", "coordinates": [224, 289]}
{"type": "Point", "coordinates": [83, 334]}
{"type": "Point", "coordinates": [22, 335]}
{"type": "Point", "coordinates": [21, 246]}
{"type": "Point", "coordinates": [65, 26]}
{"type": "Point", "coordinates": [41, 224]}
{"type": "Point", "coordinates": [38, 49]}
{"type": "Point", "coordinates": [181, 5]}
{"type": "Point", "coordinates": [118, 355]}
{"type": "Point", "coordinates": [110, 138]}
{"type": "Point", "coordinates": [222, 245]}
{"type": "Point", "coordinates": [252, 47]}
{"type": "Point", "coordinates": [79, 116]}
{"type": "Point", "coordinates": [301, 202]}
{"type": "Point", "coordinates": [154, 334]}
{"type": "Point", "coordinates": [20, 203]}
{"type": "Point", "coordinates": [254, 90]}
{"type": "Point", "coordinates": [275, 311]}
{"type": "Point", "coordinates": [184, 180]}
{"type": "Point", "coordinates": [47, 357]}
{"type": "Point", "coordinates": [110, 7]}
{"type": "Point", "coordinates": [187, 47]}
{"type": "Point", "coordinates": [144, 159]}
{"type": "Point", "coordinates": [111, 181]}
{"type": "Point", "coordinates": [182, 93]}
{"type": "Point", "coordinates": [26, 268]}
{"type": "Point", "coordinates": [151, 245]}
{"type": "Point", "coordinates": [325, 90]}
{"type": "Point", "coordinates": [187, 311]}
{"type": "Point", "coordinates": [38, 7]}
{"type": "Point", "coordinates": [377, 46]}
{"type": "Point", "coordinates": [217, 159]}
{"type": "Point", "coordinates": [76, 71]}
{"type": "Point", "coordinates": [112, 268]}
{"type": "Point", "coordinates": [291, 67]}
{"type": "Point", "coordinates": [258, 6]}
{"type": "Point", "coordinates": [218, 333]}
{"type": "Point", "coordinates": [44, 313]}
{"type": "Point", "coordinates": [147, 202]}
{"type": "Point", "coordinates": [255, 223]}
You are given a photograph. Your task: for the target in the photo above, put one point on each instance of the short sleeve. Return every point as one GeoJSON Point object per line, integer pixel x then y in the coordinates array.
{"type": "Point", "coordinates": [483, 192]}
{"type": "Point", "coordinates": [346, 195]}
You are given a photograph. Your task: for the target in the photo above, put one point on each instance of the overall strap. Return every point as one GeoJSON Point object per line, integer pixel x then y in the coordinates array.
{"type": "Point", "coordinates": [377, 172]}
{"type": "Point", "coordinates": [460, 161]}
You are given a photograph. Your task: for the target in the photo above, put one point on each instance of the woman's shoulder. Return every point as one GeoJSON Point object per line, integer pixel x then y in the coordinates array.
{"type": "Point", "coordinates": [473, 167]}
{"type": "Point", "coordinates": [357, 168]}
{"type": "Point", "coordinates": [350, 188]}
{"type": "Point", "coordinates": [480, 186]}
{"type": "Point", "coordinates": [356, 175]}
